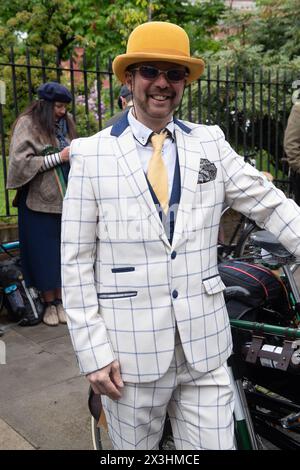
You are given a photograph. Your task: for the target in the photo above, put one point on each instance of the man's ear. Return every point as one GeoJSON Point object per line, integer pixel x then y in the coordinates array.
{"type": "Point", "coordinates": [128, 80]}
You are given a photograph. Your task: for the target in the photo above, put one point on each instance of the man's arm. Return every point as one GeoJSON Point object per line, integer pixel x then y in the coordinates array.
{"type": "Point", "coordinates": [292, 138]}
{"type": "Point", "coordinates": [249, 192]}
{"type": "Point", "coordinates": [79, 222]}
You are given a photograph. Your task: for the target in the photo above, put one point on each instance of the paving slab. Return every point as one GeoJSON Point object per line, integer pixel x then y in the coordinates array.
{"type": "Point", "coordinates": [56, 417]}
{"type": "Point", "coordinates": [18, 347]}
{"type": "Point", "coordinates": [11, 440]}
{"type": "Point", "coordinates": [41, 332]}
{"type": "Point", "coordinates": [60, 346]}
{"type": "Point", "coordinates": [35, 372]}
{"type": "Point", "coordinates": [43, 398]}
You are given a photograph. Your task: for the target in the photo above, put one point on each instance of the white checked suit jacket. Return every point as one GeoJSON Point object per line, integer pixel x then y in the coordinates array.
{"type": "Point", "coordinates": [124, 286]}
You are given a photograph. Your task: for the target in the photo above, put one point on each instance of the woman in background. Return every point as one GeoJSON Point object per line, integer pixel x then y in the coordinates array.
{"type": "Point", "coordinates": [38, 169]}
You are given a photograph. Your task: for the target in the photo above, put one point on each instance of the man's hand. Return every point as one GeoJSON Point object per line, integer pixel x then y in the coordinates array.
{"type": "Point", "coordinates": [107, 381]}
{"type": "Point", "coordinates": [64, 154]}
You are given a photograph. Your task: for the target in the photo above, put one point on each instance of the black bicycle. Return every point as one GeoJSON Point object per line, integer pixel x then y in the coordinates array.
{"type": "Point", "coordinates": [267, 351]}
{"type": "Point", "coordinates": [235, 230]}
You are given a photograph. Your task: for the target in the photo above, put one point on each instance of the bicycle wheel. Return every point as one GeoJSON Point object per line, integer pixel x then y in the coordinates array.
{"type": "Point", "coordinates": [100, 437]}
{"type": "Point", "coordinates": [244, 248]}
{"type": "Point", "coordinates": [233, 225]}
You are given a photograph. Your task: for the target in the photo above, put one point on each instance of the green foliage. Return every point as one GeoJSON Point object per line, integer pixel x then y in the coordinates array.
{"type": "Point", "coordinates": [270, 35]}
{"type": "Point", "coordinates": [267, 37]}
{"type": "Point", "coordinates": [38, 23]}
{"type": "Point", "coordinates": [106, 24]}
{"type": "Point", "coordinates": [47, 27]}
{"type": "Point", "coordinates": [86, 123]}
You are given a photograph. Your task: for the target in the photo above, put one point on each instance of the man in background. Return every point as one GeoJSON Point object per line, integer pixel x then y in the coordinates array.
{"type": "Point", "coordinates": [292, 149]}
{"type": "Point", "coordinates": [124, 103]}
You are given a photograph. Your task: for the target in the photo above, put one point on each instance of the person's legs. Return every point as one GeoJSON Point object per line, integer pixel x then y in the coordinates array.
{"type": "Point", "coordinates": [50, 317]}
{"type": "Point", "coordinates": [200, 406]}
{"type": "Point", "coordinates": [54, 311]}
{"type": "Point", "coordinates": [59, 307]}
{"type": "Point", "coordinates": [136, 421]}
{"type": "Point", "coordinates": [48, 296]}
{"type": "Point", "coordinates": [201, 411]}
{"type": "Point", "coordinates": [57, 293]}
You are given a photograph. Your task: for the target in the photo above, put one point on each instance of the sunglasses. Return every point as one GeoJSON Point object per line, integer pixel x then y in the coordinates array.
{"type": "Point", "coordinates": [151, 73]}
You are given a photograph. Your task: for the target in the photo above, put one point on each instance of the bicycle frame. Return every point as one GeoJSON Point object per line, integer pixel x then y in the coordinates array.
{"type": "Point", "coordinates": [252, 421]}
{"type": "Point", "coordinates": [244, 429]}
{"type": "Point", "coordinates": [292, 333]}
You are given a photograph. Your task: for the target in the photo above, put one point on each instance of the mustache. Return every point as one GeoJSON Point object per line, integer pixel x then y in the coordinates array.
{"type": "Point", "coordinates": [163, 92]}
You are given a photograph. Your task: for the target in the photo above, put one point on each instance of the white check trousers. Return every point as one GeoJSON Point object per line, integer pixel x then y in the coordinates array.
{"type": "Point", "coordinates": [200, 407]}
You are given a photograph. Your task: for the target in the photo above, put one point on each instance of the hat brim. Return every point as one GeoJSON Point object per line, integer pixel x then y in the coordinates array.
{"type": "Point", "coordinates": [121, 62]}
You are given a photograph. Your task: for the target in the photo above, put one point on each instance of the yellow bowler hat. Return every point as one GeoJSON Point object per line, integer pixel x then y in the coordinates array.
{"type": "Point", "coordinates": [158, 41]}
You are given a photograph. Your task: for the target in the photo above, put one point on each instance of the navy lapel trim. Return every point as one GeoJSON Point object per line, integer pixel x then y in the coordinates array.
{"type": "Point", "coordinates": [176, 187]}
{"type": "Point", "coordinates": [119, 127]}
{"type": "Point", "coordinates": [183, 126]}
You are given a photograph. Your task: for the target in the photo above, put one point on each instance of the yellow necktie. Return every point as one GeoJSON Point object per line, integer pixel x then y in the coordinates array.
{"type": "Point", "coordinates": [157, 172]}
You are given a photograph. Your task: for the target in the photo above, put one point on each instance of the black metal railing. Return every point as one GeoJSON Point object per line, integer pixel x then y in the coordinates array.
{"type": "Point", "coordinates": [251, 106]}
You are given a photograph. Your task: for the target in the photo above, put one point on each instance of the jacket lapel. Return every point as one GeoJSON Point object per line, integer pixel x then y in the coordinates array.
{"type": "Point", "coordinates": [128, 159]}
{"type": "Point", "coordinates": [189, 154]}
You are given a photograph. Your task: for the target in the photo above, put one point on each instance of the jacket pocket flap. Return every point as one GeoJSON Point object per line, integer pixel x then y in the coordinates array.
{"type": "Point", "coordinates": [213, 285]}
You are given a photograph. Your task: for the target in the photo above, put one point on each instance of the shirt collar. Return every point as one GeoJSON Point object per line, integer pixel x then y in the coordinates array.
{"type": "Point", "coordinates": [142, 133]}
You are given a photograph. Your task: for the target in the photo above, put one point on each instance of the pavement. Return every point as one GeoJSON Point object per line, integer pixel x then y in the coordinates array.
{"type": "Point", "coordinates": [43, 399]}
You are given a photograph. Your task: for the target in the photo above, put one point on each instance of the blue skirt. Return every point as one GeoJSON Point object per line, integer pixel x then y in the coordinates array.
{"type": "Point", "coordinates": [39, 236]}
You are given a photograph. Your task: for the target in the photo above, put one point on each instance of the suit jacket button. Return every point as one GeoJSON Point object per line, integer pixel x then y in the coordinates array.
{"type": "Point", "coordinates": [173, 254]}
{"type": "Point", "coordinates": [175, 294]}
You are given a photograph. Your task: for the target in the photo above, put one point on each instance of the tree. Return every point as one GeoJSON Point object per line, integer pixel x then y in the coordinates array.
{"type": "Point", "coordinates": [50, 30]}
{"type": "Point", "coordinates": [40, 24]}
{"type": "Point", "coordinates": [105, 25]}
{"type": "Point", "coordinates": [271, 34]}
{"type": "Point", "coordinates": [277, 27]}
{"type": "Point", "coordinates": [261, 50]}
{"type": "Point", "coordinates": [99, 25]}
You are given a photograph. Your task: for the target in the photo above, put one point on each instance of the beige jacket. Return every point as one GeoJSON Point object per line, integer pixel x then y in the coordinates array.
{"type": "Point", "coordinates": [25, 159]}
{"type": "Point", "coordinates": [292, 138]}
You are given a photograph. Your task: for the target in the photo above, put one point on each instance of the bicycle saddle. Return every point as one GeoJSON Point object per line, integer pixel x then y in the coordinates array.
{"type": "Point", "coordinates": [268, 241]}
{"type": "Point", "coordinates": [235, 292]}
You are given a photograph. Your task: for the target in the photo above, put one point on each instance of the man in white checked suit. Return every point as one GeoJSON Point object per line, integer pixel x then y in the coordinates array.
{"type": "Point", "coordinates": [141, 286]}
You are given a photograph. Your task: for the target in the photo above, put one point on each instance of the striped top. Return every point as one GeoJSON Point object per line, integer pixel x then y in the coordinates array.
{"type": "Point", "coordinates": [50, 161]}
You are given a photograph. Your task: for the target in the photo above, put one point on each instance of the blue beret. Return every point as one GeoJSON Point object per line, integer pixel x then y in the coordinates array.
{"type": "Point", "coordinates": [54, 91]}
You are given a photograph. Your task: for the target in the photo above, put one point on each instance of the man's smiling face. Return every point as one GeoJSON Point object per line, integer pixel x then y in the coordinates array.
{"type": "Point", "coordinates": [155, 100]}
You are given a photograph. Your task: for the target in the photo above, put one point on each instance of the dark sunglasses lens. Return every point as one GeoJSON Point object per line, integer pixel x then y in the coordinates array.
{"type": "Point", "coordinates": [175, 75]}
{"type": "Point", "coordinates": [149, 72]}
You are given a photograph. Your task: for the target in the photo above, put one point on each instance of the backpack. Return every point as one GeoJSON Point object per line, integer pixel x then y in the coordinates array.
{"type": "Point", "coordinates": [24, 305]}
